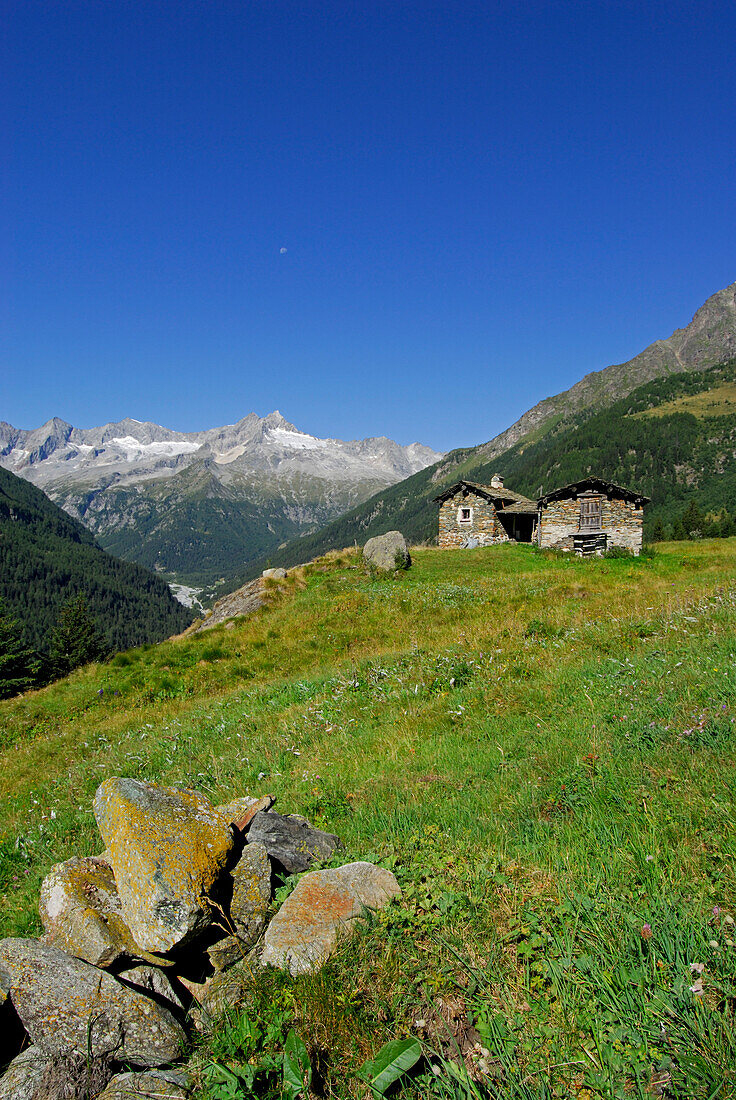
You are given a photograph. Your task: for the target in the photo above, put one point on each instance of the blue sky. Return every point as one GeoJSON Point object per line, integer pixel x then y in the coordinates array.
{"type": "Point", "coordinates": [479, 202]}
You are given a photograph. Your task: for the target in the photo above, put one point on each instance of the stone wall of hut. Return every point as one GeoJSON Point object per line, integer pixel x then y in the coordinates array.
{"type": "Point", "coordinates": [621, 520]}
{"type": "Point", "coordinates": [484, 526]}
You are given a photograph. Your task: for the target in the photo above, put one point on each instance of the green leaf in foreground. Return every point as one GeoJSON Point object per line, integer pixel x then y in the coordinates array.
{"type": "Point", "coordinates": [392, 1060]}
{"type": "Point", "coordinates": [297, 1070]}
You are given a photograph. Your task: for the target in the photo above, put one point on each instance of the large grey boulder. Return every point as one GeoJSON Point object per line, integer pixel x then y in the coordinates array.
{"type": "Point", "coordinates": [387, 552]}
{"type": "Point", "coordinates": [324, 908]}
{"type": "Point", "coordinates": [291, 840]}
{"type": "Point", "coordinates": [167, 847]}
{"type": "Point", "coordinates": [68, 1006]}
{"type": "Point", "coordinates": [166, 1084]}
{"type": "Point", "coordinates": [81, 912]}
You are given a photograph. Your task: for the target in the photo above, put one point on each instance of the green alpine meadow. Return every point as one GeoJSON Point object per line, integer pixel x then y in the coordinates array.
{"type": "Point", "coordinates": [540, 747]}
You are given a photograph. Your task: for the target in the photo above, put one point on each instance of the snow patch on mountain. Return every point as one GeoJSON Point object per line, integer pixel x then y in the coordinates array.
{"type": "Point", "coordinates": [134, 448]}
{"type": "Point", "coordinates": [297, 441]}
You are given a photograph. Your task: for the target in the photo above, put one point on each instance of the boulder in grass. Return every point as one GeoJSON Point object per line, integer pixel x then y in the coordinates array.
{"type": "Point", "coordinates": [81, 912]}
{"type": "Point", "coordinates": [68, 1006]}
{"type": "Point", "coordinates": [167, 847]}
{"type": "Point", "coordinates": [291, 840]}
{"type": "Point", "coordinates": [387, 552]}
{"type": "Point", "coordinates": [324, 908]}
{"type": "Point", "coordinates": [165, 1084]}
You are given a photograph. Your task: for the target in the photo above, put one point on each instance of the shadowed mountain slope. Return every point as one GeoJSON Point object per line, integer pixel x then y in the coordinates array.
{"type": "Point", "coordinates": [46, 556]}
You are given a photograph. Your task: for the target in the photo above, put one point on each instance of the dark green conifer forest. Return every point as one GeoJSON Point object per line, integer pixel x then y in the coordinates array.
{"type": "Point", "coordinates": [47, 559]}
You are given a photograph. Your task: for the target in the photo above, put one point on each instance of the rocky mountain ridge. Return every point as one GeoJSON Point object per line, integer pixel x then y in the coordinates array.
{"type": "Point", "coordinates": [126, 451]}
{"type": "Point", "coordinates": [710, 338]}
{"type": "Point", "coordinates": [197, 506]}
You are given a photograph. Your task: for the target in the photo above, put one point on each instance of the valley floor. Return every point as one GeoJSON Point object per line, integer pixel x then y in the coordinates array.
{"type": "Point", "coordinates": [542, 749]}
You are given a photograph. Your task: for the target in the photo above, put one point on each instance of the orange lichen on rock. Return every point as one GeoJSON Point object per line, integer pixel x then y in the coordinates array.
{"type": "Point", "coordinates": [167, 847]}
{"type": "Point", "coordinates": [81, 913]}
{"type": "Point", "coordinates": [324, 907]}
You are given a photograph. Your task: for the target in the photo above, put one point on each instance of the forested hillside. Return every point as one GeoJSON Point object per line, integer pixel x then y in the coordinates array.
{"type": "Point", "coordinates": [46, 557]}
{"type": "Point", "coordinates": [673, 439]}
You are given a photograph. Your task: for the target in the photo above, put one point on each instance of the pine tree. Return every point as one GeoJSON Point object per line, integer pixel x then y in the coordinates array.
{"type": "Point", "coordinates": [657, 531]}
{"type": "Point", "coordinates": [76, 639]}
{"type": "Point", "coordinates": [20, 666]}
{"type": "Point", "coordinates": [693, 520]}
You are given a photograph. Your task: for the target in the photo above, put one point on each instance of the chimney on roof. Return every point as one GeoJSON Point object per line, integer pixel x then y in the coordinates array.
{"type": "Point", "coordinates": [497, 481]}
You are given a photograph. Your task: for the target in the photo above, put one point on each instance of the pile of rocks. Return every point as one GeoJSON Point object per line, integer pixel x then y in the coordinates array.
{"type": "Point", "coordinates": [160, 932]}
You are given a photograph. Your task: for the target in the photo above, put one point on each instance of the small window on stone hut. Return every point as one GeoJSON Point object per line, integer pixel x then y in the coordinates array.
{"type": "Point", "coordinates": [590, 513]}
{"type": "Point", "coordinates": [465, 514]}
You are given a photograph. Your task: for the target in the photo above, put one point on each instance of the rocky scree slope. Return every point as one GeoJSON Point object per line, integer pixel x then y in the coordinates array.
{"type": "Point", "coordinates": [190, 505]}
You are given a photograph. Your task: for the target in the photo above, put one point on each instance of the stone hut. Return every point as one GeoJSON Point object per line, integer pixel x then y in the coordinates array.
{"type": "Point", "coordinates": [483, 515]}
{"type": "Point", "coordinates": [591, 516]}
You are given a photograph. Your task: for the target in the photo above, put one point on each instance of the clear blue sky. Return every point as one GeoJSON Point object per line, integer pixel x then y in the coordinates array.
{"type": "Point", "coordinates": [480, 202]}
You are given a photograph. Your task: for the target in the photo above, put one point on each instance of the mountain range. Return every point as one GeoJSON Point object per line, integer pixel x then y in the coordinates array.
{"type": "Point", "coordinates": [212, 508]}
{"type": "Point", "coordinates": [197, 507]}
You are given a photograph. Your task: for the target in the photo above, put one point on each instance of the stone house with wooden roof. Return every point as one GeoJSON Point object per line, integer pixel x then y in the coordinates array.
{"type": "Point", "coordinates": [483, 515]}
{"type": "Point", "coordinates": [587, 517]}
{"type": "Point", "coordinates": [590, 516]}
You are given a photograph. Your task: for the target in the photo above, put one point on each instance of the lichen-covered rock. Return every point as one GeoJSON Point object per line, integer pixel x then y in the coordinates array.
{"type": "Point", "coordinates": [4, 985]}
{"type": "Point", "coordinates": [164, 1083]}
{"type": "Point", "coordinates": [241, 811]}
{"type": "Point", "coordinates": [38, 1075]}
{"type": "Point", "coordinates": [225, 990]}
{"type": "Point", "coordinates": [387, 552]}
{"type": "Point", "coordinates": [323, 908]}
{"type": "Point", "coordinates": [69, 1006]}
{"type": "Point", "coordinates": [291, 840]}
{"type": "Point", "coordinates": [251, 892]}
{"type": "Point", "coordinates": [152, 982]}
{"type": "Point", "coordinates": [81, 913]}
{"type": "Point", "coordinates": [166, 847]}
{"type": "Point", "coordinates": [225, 953]}
{"type": "Point", "coordinates": [23, 1078]}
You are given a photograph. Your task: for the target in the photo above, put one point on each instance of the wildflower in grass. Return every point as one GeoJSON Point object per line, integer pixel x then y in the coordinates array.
{"type": "Point", "coordinates": [646, 931]}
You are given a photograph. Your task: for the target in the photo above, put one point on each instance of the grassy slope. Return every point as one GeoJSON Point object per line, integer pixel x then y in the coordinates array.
{"type": "Point", "coordinates": [672, 439]}
{"type": "Point", "coordinates": [542, 748]}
